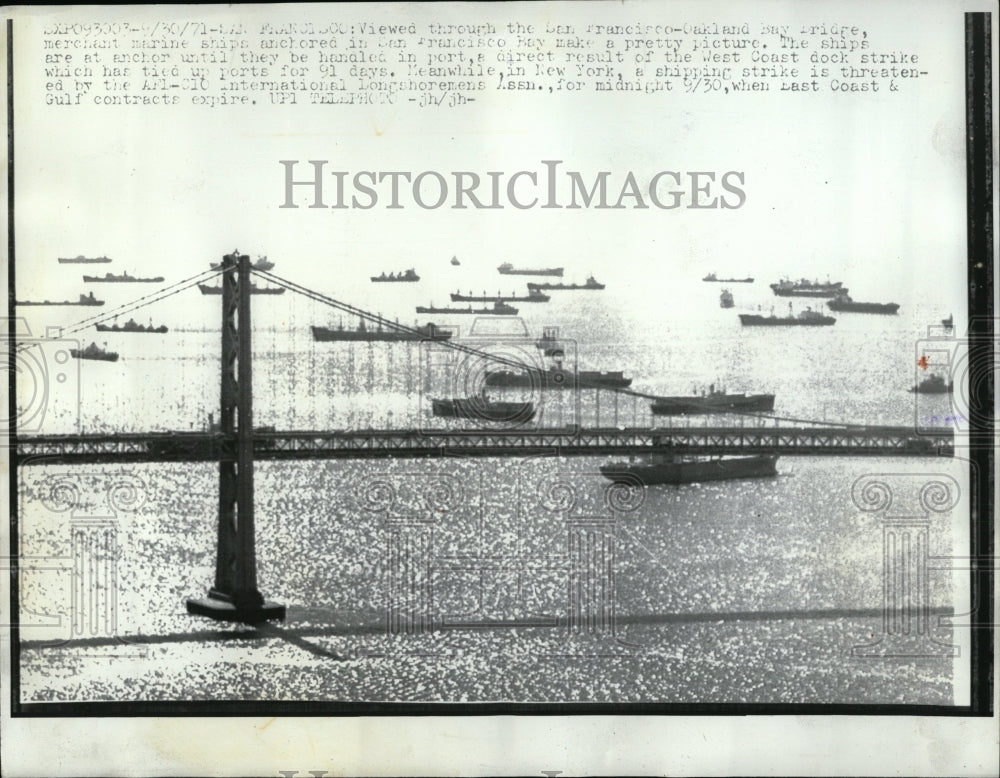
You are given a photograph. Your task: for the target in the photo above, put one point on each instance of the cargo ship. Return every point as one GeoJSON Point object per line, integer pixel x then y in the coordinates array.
{"type": "Point", "coordinates": [410, 275]}
{"type": "Point", "coordinates": [934, 384]}
{"type": "Point", "coordinates": [843, 302]}
{"type": "Point", "coordinates": [804, 288]}
{"type": "Point", "coordinates": [132, 326]}
{"type": "Point", "coordinates": [590, 284]}
{"type": "Point", "coordinates": [483, 409]}
{"type": "Point", "coordinates": [254, 289]}
{"type": "Point", "coordinates": [124, 278]}
{"type": "Point", "coordinates": [262, 263]}
{"type": "Point", "coordinates": [533, 296]}
{"type": "Point", "coordinates": [380, 335]}
{"type": "Point", "coordinates": [85, 299]}
{"type": "Point", "coordinates": [726, 299]}
{"type": "Point", "coordinates": [454, 261]}
{"type": "Point", "coordinates": [93, 351]}
{"type": "Point", "coordinates": [806, 318]}
{"type": "Point", "coordinates": [508, 269]}
{"type": "Point", "coordinates": [498, 309]}
{"type": "Point", "coordinates": [712, 277]}
{"type": "Point", "coordinates": [79, 259]}
{"type": "Point", "coordinates": [556, 377]}
{"type": "Point", "coordinates": [669, 469]}
{"type": "Point", "coordinates": [713, 402]}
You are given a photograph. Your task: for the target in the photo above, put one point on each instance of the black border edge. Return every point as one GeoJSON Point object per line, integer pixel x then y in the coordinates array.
{"type": "Point", "coordinates": [981, 343]}
{"type": "Point", "coordinates": [980, 273]}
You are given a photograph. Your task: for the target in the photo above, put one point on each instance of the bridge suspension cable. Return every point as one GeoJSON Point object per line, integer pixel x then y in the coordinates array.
{"type": "Point", "coordinates": [134, 305]}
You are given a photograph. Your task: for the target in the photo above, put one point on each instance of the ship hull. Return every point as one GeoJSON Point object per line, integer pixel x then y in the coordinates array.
{"type": "Point", "coordinates": [78, 354]}
{"type": "Point", "coordinates": [683, 406]}
{"type": "Point", "coordinates": [478, 410]}
{"type": "Point", "coordinates": [457, 297]}
{"type": "Point", "coordinates": [884, 308]}
{"type": "Point", "coordinates": [94, 304]}
{"type": "Point", "coordinates": [99, 280]}
{"type": "Point", "coordinates": [692, 472]}
{"type": "Point", "coordinates": [467, 311]}
{"type": "Point", "coordinates": [565, 287]}
{"type": "Point", "coordinates": [377, 280]}
{"type": "Point", "coordinates": [545, 271]}
{"type": "Point", "coordinates": [808, 292]}
{"type": "Point", "coordinates": [385, 336]}
{"type": "Point", "coordinates": [144, 330]}
{"type": "Point", "coordinates": [941, 389]}
{"type": "Point", "coordinates": [556, 380]}
{"type": "Point", "coordinates": [255, 290]}
{"type": "Point", "coordinates": [83, 260]}
{"type": "Point", "coordinates": [751, 320]}
{"type": "Point", "coordinates": [728, 280]}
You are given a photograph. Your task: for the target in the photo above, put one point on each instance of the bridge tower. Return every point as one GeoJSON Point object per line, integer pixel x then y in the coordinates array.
{"type": "Point", "coordinates": [235, 596]}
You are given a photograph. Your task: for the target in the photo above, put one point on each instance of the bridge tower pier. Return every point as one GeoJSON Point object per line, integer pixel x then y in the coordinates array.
{"type": "Point", "coordinates": [235, 596]}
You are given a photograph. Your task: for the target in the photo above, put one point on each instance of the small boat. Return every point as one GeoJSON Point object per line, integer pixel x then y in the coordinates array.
{"type": "Point", "coordinates": [806, 318]}
{"type": "Point", "coordinates": [508, 269]}
{"type": "Point", "coordinates": [454, 261]}
{"type": "Point", "coordinates": [805, 288]}
{"type": "Point", "coordinates": [726, 299]}
{"type": "Point", "coordinates": [843, 302]}
{"type": "Point", "coordinates": [713, 402]}
{"type": "Point", "coordinates": [591, 283]}
{"type": "Point", "coordinates": [262, 263]}
{"type": "Point", "coordinates": [499, 309]}
{"type": "Point", "coordinates": [716, 279]}
{"type": "Point", "coordinates": [948, 323]}
{"type": "Point", "coordinates": [380, 334]}
{"type": "Point", "coordinates": [85, 299]}
{"type": "Point", "coordinates": [934, 384]}
{"type": "Point", "coordinates": [124, 278]}
{"type": "Point", "coordinates": [254, 289]}
{"type": "Point", "coordinates": [410, 275]}
{"type": "Point", "coordinates": [533, 296]}
{"type": "Point", "coordinates": [79, 259]}
{"type": "Point", "coordinates": [132, 326]}
{"type": "Point", "coordinates": [670, 469]}
{"type": "Point", "coordinates": [556, 377]}
{"type": "Point", "coordinates": [93, 351]}
{"type": "Point", "coordinates": [484, 409]}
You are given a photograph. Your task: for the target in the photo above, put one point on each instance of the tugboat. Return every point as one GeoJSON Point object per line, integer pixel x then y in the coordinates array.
{"type": "Point", "coordinates": [726, 299]}
{"type": "Point", "coordinates": [254, 289]}
{"type": "Point", "coordinates": [806, 318]}
{"type": "Point", "coordinates": [93, 351]}
{"type": "Point", "coordinates": [484, 409]}
{"type": "Point", "coordinates": [805, 288]}
{"type": "Point", "coordinates": [454, 261]}
{"type": "Point", "coordinates": [843, 302]}
{"type": "Point", "coordinates": [262, 263]}
{"type": "Point", "coordinates": [132, 326]}
{"type": "Point", "coordinates": [124, 278]}
{"type": "Point", "coordinates": [380, 335]}
{"type": "Point", "coordinates": [933, 384]}
{"type": "Point", "coordinates": [85, 299]}
{"type": "Point", "coordinates": [508, 269]}
{"type": "Point", "coordinates": [533, 296]}
{"type": "Point", "coordinates": [713, 402]}
{"type": "Point", "coordinates": [713, 278]}
{"type": "Point", "coordinates": [409, 276]}
{"type": "Point", "coordinates": [556, 377]}
{"type": "Point", "coordinates": [590, 284]}
{"type": "Point", "coordinates": [499, 309]}
{"type": "Point", "coordinates": [79, 259]}
{"type": "Point", "coordinates": [948, 323]}
{"type": "Point", "coordinates": [671, 469]}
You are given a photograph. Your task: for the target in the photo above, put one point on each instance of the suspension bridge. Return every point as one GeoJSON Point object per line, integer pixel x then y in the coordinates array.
{"type": "Point", "coordinates": [236, 444]}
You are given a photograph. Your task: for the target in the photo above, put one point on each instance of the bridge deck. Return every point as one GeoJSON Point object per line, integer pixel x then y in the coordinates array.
{"type": "Point", "coordinates": [373, 444]}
